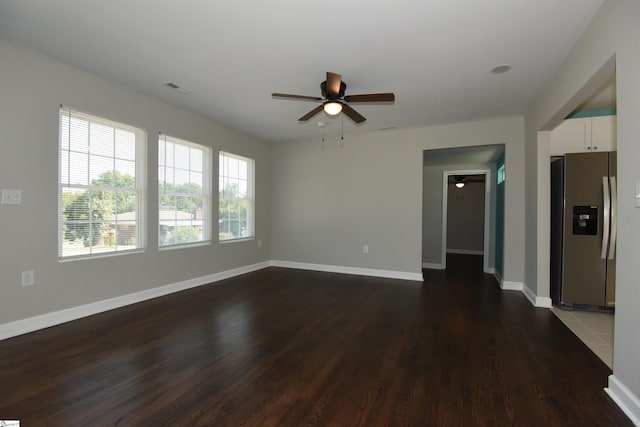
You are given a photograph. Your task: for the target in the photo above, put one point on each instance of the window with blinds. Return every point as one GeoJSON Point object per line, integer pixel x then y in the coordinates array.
{"type": "Point", "coordinates": [184, 174]}
{"type": "Point", "coordinates": [101, 186]}
{"type": "Point", "coordinates": [236, 197]}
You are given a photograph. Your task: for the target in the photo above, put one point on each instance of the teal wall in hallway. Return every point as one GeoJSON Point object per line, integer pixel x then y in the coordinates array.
{"type": "Point", "coordinates": [500, 216]}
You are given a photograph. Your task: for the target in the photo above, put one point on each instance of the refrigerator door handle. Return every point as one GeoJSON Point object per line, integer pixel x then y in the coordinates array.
{"type": "Point", "coordinates": [614, 220]}
{"type": "Point", "coordinates": [605, 216]}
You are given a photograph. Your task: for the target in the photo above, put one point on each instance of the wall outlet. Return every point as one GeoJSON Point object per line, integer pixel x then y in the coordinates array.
{"type": "Point", "coordinates": [365, 249]}
{"type": "Point", "coordinates": [259, 243]}
{"type": "Point", "coordinates": [11, 197]}
{"type": "Point", "coordinates": [28, 278]}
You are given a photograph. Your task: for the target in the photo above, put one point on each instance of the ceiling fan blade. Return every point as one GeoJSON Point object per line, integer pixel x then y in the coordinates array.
{"type": "Point", "coordinates": [333, 85]}
{"type": "Point", "coordinates": [353, 114]}
{"type": "Point", "coordinates": [287, 95]}
{"type": "Point", "coordinates": [310, 114]}
{"type": "Point", "coordinates": [371, 97]}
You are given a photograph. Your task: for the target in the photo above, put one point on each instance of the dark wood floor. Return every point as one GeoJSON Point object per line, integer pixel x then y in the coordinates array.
{"type": "Point", "coordinates": [296, 348]}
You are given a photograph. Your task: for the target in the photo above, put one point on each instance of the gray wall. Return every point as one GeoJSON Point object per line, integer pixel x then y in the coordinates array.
{"type": "Point", "coordinates": [465, 217]}
{"type": "Point", "coordinates": [328, 203]}
{"type": "Point", "coordinates": [432, 211]}
{"type": "Point", "coordinates": [613, 32]}
{"type": "Point", "coordinates": [32, 88]}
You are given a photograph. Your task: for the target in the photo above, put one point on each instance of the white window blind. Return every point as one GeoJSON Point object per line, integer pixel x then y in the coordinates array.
{"type": "Point", "coordinates": [184, 176]}
{"type": "Point", "coordinates": [101, 186]}
{"type": "Point", "coordinates": [236, 197]}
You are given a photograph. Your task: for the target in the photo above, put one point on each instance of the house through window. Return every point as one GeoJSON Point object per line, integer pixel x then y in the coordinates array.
{"type": "Point", "coordinates": [184, 175]}
{"type": "Point", "coordinates": [100, 187]}
{"type": "Point", "coordinates": [236, 197]}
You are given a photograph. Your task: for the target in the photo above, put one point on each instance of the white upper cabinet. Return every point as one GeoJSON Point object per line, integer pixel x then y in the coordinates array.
{"type": "Point", "coordinates": [570, 136]}
{"type": "Point", "coordinates": [584, 135]}
{"type": "Point", "coordinates": [604, 133]}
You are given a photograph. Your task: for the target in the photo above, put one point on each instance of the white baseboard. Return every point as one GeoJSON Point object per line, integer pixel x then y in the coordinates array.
{"type": "Point", "coordinates": [391, 274]}
{"type": "Point", "coordinates": [536, 301]}
{"type": "Point", "coordinates": [498, 277]}
{"type": "Point", "coordinates": [465, 251]}
{"type": "Point", "coordinates": [432, 265]}
{"type": "Point", "coordinates": [507, 285]}
{"type": "Point", "coordinates": [624, 398]}
{"type": "Point", "coordinates": [35, 323]}
{"type": "Point", "coordinates": [544, 302]}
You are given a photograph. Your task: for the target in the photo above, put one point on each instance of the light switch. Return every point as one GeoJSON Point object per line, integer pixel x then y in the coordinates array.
{"type": "Point", "coordinates": [637, 194]}
{"type": "Point", "coordinates": [11, 197]}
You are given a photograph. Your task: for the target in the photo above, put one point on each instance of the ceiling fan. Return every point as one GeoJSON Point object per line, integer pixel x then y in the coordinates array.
{"type": "Point", "coordinates": [335, 101]}
{"type": "Point", "coordinates": [462, 180]}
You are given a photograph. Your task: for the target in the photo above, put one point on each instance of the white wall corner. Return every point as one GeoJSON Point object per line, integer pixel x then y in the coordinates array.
{"type": "Point", "coordinates": [389, 274]}
{"type": "Point", "coordinates": [23, 326]}
{"type": "Point", "coordinates": [536, 301]}
{"type": "Point", "coordinates": [624, 398]}
{"type": "Point", "coordinates": [433, 265]}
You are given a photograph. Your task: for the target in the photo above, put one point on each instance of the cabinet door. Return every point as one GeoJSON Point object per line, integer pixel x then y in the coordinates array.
{"type": "Point", "coordinates": [571, 136]}
{"type": "Point", "coordinates": [604, 133]}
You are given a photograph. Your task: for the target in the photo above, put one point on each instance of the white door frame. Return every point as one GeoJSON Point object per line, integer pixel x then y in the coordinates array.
{"type": "Point", "coordinates": [487, 213]}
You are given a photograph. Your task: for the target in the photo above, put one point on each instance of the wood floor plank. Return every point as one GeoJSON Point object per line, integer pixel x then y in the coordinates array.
{"type": "Point", "coordinates": [282, 347]}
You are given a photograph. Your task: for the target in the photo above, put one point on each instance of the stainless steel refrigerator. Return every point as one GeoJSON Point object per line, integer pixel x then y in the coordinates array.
{"type": "Point", "coordinates": [583, 230]}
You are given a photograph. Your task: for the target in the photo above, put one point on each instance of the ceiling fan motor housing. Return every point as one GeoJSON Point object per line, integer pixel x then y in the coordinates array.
{"type": "Point", "coordinates": [323, 89]}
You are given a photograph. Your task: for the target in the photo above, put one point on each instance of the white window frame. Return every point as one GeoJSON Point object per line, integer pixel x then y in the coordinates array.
{"type": "Point", "coordinates": [164, 169]}
{"type": "Point", "coordinates": [224, 176]}
{"type": "Point", "coordinates": [67, 184]}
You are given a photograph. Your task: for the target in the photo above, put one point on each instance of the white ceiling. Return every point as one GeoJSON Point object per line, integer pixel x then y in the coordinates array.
{"type": "Point", "coordinates": [436, 55]}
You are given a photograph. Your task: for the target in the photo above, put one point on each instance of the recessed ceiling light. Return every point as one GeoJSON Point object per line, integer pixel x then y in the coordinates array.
{"type": "Point", "coordinates": [499, 69]}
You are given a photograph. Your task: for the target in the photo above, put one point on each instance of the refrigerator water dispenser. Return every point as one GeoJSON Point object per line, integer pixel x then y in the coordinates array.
{"type": "Point", "coordinates": [585, 220]}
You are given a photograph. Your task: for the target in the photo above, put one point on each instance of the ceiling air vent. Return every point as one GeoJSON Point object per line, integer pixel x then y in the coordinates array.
{"type": "Point", "coordinates": [177, 88]}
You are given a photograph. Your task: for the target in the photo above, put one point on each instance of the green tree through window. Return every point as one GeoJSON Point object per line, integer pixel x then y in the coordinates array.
{"type": "Point", "coordinates": [101, 187]}
{"type": "Point", "coordinates": [183, 192]}
{"type": "Point", "coordinates": [235, 205]}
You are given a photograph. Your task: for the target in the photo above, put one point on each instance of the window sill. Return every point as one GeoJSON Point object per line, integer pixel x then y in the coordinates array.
{"type": "Point", "coordinates": [100, 255]}
{"type": "Point", "coordinates": [185, 245]}
{"type": "Point", "coordinates": [240, 239]}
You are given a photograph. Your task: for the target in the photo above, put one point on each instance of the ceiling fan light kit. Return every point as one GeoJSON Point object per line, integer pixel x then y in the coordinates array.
{"type": "Point", "coordinates": [332, 108]}
{"type": "Point", "coordinates": [334, 101]}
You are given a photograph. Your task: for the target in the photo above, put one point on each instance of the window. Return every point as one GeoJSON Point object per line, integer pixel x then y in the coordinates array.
{"type": "Point", "coordinates": [183, 192]}
{"type": "Point", "coordinates": [235, 187]}
{"type": "Point", "coordinates": [101, 186]}
{"type": "Point", "coordinates": [501, 175]}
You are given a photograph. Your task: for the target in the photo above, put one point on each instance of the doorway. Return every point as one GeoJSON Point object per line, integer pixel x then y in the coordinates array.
{"type": "Point", "coordinates": [438, 166]}
{"type": "Point", "coordinates": [596, 327]}
{"type": "Point", "coordinates": [466, 214]}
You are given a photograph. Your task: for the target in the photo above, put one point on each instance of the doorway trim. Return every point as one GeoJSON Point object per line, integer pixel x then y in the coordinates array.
{"type": "Point", "coordinates": [486, 250]}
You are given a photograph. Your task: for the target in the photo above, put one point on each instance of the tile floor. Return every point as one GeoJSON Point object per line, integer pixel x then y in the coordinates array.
{"type": "Point", "coordinates": [594, 329]}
